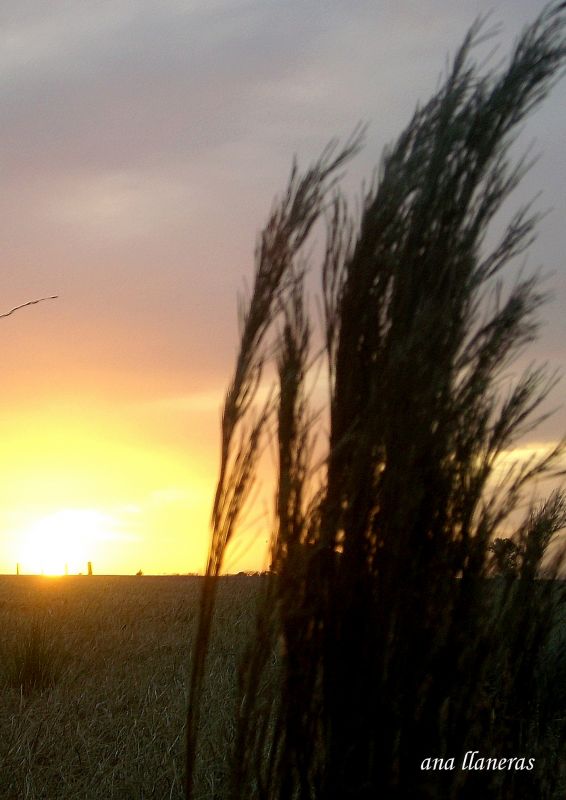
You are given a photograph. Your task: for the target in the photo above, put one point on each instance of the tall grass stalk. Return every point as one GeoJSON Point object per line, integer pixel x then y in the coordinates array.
{"type": "Point", "coordinates": [34, 659]}
{"type": "Point", "coordinates": [397, 644]}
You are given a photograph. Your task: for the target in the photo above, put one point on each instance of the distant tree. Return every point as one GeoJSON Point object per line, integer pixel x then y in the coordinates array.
{"type": "Point", "coordinates": [139, 573]}
{"type": "Point", "coordinates": [506, 556]}
{"type": "Point", "coordinates": [396, 648]}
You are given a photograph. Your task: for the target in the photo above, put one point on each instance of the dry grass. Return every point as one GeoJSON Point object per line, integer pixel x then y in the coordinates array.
{"type": "Point", "coordinates": [110, 720]}
{"type": "Point", "coordinates": [111, 725]}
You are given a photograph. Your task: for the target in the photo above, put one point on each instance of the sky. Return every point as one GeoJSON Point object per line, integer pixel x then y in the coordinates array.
{"type": "Point", "coordinates": [142, 144]}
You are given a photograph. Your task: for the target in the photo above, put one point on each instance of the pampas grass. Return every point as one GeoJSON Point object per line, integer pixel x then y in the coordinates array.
{"type": "Point", "coordinates": [397, 644]}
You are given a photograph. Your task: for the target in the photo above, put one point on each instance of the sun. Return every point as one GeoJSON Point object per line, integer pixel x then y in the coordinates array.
{"type": "Point", "coordinates": [62, 541]}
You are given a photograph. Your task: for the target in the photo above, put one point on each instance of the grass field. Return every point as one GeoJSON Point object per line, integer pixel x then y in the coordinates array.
{"type": "Point", "coordinates": [94, 685]}
{"type": "Point", "coordinates": [112, 657]}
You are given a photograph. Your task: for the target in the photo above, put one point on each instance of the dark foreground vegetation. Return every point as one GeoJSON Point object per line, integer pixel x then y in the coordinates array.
{"type": "Point", "coordinates": [394, 650]}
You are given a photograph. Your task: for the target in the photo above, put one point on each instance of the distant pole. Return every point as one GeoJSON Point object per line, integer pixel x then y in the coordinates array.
{"type": "Point", "coordinates": [66, 569]}
{"type": "Point", "coordinates": [89, 568]}
{"type": "Point", "coordinates": [17, 569]}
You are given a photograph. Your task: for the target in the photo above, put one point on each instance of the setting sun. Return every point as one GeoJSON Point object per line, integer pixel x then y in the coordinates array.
{"type": "Point", "coordinates": [63, 541]}
{"type": "Point", "coordinates": [80, 485]}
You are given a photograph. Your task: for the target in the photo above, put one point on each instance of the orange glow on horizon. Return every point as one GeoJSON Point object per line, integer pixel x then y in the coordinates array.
{"type": "Point", "coordinates": [107, 486]}
{"type": "Point", "coordinates": [127, 488]}
{"type": "Point", "coordinates": [94, 489]}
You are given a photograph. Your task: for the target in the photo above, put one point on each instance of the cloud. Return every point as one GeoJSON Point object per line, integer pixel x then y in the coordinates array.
{"type": "Point", "coordinates": [115, 85]}
{"type": "Point", "coordinates": [142, 143]}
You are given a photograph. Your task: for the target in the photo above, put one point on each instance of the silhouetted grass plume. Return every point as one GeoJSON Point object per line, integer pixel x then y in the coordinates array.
{"type": "Point", "coordinates": [406, 631]}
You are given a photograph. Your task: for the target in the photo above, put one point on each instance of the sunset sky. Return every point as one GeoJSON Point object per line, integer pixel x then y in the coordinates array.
{"type": "Point", "coordinates": [142, 144]}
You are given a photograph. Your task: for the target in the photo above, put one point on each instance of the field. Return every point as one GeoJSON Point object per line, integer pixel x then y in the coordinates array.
{"type": "Point", "coordinates": [94, 674]}
{"type": "Point", "coordinates": [104, 664]}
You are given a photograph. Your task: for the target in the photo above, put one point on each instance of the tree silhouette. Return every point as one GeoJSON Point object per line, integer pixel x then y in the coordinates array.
{"type": "Point", "coordinates": [506, 555]}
